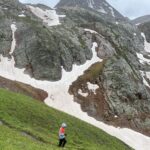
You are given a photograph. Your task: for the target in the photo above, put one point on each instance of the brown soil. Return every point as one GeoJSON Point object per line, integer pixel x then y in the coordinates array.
{"type": "Point", "coordinates": [96, 105]}
{"type": "Point", "coordinates": [21, 88]}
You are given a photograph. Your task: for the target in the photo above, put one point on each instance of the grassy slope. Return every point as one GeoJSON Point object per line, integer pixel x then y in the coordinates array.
{"type": "Point", "coordinates": [23, 114]}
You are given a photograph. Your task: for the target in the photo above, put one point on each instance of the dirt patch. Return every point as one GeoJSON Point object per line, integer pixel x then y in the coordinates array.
{"type": "Point", "coordinates": [21, 88]}
{"type": "Point", "coordinates": [95, 103]}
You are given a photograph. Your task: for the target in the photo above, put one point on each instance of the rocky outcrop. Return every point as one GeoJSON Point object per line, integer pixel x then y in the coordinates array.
{"type": "Point", "coordinates": [121, 99]}
{"type": "Point", "coordinates": [39, 45]}
{"type": "Point", "coordinates": [101, 6]}
{"type": "Point", "coordinates": [145, 28]}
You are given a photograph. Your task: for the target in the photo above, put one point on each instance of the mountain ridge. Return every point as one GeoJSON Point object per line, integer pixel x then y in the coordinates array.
{"type": "Point", "coordinates": [100, 6]}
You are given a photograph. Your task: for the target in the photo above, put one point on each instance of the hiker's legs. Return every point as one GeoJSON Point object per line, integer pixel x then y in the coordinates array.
{"type": "Point", "coordinates": [64, 142]}
{"type": "Point", "coordinates": [60, 142]}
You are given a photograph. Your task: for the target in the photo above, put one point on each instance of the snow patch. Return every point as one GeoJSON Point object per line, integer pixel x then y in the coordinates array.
{"type": "Point", "coordinates": [22, 15]}
{"type": "Point", "coordinates": [59, 98]}
{"type": "Point", "coordinates": [91, 31]}
{"type": "Point", "coordinates": [5, 8]}
{"type": "Point", "coordinates": [49, 17]}
{"type": "Point", "coordinates": [144, 80]}
{"type": "Point", "coordinates": [83, 94]}
{"type": "Point", "coordinates": [142, 59]}
{"type": "Point", "coordinates": [137, 24]}
{"type": "Point", "coordinates": [13, 45]}
{"type": "Point", "coordinates": [112, 11]}
{"type": "Point", "coordinates": [92, 87]}
{"type": "Point", "coordinates": [117, 23]}
{"type": "Point", "coordinates": [62, 16]}
{"type": "Point", "coordinates": [91, 3]}
{"type": "Point", "coordinates": [134, 34]}
{"type": "Point", "coordinates": [146, 44]}
{"type": "Point", "coordinates": [102, 10]}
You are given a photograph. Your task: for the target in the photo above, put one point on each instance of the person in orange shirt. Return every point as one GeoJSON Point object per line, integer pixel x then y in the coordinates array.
{"type": "Point", "coordinates": [62, 135]}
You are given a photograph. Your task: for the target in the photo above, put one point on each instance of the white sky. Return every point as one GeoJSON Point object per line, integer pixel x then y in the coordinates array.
{"type": "Point", "coordinates": [129, 8]}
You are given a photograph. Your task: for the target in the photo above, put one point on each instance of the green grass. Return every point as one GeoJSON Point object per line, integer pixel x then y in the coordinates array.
{"type": "Point", "coordinates": [22, 114]}
{"type": "Point", "coordinates": [93, 72]}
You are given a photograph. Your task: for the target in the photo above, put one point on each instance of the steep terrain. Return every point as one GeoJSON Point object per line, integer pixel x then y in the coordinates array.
{"type": "Point", "coordinates": [100, 6]}
{"type": "Point", "coordinates": [25, 89]}
{"type": "Point", "coordinates": [145, 28]}
{"type": "Point", "coordinates": [92, 64]}
{"type": "Point", "coordinates": [141, 20]}
{"type": "Point", "coordinates": [32, 125]}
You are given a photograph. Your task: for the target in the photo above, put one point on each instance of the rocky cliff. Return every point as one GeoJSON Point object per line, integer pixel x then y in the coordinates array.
{"type": "Point", "coordinates": [114, 90]}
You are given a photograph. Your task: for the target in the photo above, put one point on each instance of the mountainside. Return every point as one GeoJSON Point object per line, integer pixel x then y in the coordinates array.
{"type": "Point", "coordinates": [93, 64]}
{"type": "Point", "coordinates": [145, 28]}
{"type": "Point", "coordinates": [35, 126]}
{"type": "Point", "coordinates": [98, 5]}
{"type": "Point", "coordinates": [141, 20]}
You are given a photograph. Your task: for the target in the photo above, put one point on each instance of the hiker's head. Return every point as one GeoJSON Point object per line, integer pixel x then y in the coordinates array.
{"type": "Point", "coordinates": [64, 125]}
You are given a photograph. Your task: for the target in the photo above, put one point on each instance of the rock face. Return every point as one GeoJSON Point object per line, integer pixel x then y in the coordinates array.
{"type": "Point", "coordinates": [114, 90]}
{"type": "Point", "coordinates": [39, 45]}
{"type": "Point", "coordinates": [98, 5]}
{"type": "Point", "coordinates": [145, 28]}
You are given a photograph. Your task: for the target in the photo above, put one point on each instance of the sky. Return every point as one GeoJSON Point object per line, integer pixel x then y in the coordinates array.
{"type": "Point", "coordinates": [129, 8]}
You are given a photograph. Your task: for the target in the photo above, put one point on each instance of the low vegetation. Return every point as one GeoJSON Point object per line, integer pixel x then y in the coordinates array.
{"type": "Point", "coordinates": [30, 125]}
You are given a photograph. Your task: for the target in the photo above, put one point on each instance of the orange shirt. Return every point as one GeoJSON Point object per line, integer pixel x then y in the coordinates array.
{"type": "Point", "coordinates": [62, 133]}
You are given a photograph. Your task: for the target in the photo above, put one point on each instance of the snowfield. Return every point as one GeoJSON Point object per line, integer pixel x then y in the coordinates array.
{"type": "Point", "coordinates": [59, 98]}
{"type": "Point", "coordinates": [146, 44]}
{"type": "Point", "coordinates": [143, 60]}
{"type": "Point", "coordinates": [49, 17]}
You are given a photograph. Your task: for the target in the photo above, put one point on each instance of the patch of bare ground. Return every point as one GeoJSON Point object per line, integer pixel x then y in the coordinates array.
{"type": "Point", "coordinates": [96, 104]}
{"type": "Point", "coordinates": [22, 88]}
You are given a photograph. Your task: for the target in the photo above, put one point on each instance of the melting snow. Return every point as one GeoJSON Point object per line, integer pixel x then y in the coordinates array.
{"type": "Point", "coordinates": [22, 15]}
{"type": "Point", "coordinates": [91, 31]}
{"type": "Point", "coordinates": [49, 17]}
{"type": "Point", "coordinates": [146, 44]}
{"type": "Point", "coordinates": [137, 24]}
{"type": "Point", "coordinates": [92, 87]}
{"type": "Point", "coordinates": [5, 8]}
{"type": "Point", "coordinates": [112, 11]}
{"type": "Point", "coordinates": [102, 10]}
{"type": "Point", "coordinates": [144, 80]}
{"type": "Point", "coordinates": [60, 99]}
{"type": "Point", "coordinates": [91, 3]}
{"type": "Point", "coordinates": [83, 94]}
{"type": "Point", "coordinates": [117, 22]}
{"type": "Point", "coordinates": [142, 59]}
{"type": "Point", "coordinates": [13, 45]}
{"type": "Point", "coordinates": [115, 116]}
{"type": "Point", "coordinates": [62, 16]}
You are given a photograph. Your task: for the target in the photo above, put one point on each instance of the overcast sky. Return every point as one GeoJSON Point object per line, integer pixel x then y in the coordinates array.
{"type": "Point", "coordinates": [129, 8]}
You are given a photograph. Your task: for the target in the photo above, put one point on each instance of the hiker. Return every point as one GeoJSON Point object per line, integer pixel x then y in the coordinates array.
{"type": "Point", "coordinates": [62, 135]}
